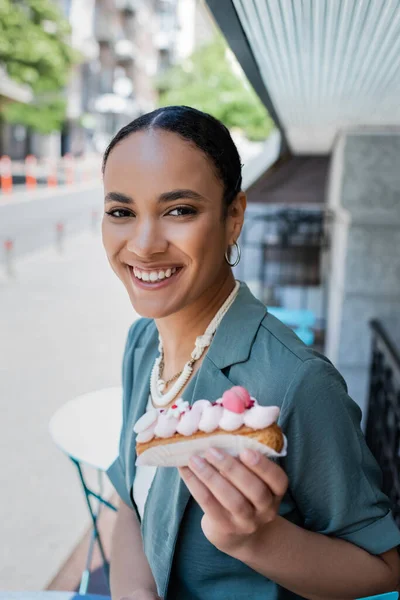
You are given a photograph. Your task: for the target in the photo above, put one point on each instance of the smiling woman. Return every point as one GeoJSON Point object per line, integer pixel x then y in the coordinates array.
{"type": "Point", "coordinates": [173, 211]}
{"type": "Point", "coordinates": [313, 524]}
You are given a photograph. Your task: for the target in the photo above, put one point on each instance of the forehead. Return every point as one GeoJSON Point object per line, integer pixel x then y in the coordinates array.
{"type": "Point", "coordinates": [158, 161]}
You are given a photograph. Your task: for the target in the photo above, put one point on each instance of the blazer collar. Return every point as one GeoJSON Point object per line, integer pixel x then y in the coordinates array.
{"type": "Point", "coordinates": [246, 313]}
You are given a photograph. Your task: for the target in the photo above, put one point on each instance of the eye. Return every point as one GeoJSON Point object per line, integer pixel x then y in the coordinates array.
{"type": "Point", "coordinates": [182, 211]}
{"type": "Point", "coordinates": [119, 213]}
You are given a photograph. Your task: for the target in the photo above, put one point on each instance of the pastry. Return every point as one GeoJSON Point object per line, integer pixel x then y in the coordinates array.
{"type": "Point", "coordinates": [234, 422]}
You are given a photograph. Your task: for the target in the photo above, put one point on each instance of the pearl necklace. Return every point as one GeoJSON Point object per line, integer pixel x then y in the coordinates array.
{"type": "Point", "coordinates": [157, 385]}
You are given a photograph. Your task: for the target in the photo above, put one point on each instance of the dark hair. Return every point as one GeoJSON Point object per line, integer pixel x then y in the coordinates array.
{"type": "Point", "coordinates": [206, 132]}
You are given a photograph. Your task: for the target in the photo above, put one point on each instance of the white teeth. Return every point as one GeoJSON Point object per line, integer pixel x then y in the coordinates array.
{"type": "Point", "coordinates": [153, 276]}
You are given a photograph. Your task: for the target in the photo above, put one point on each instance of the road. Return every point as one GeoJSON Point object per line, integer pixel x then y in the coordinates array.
{"type": "Point", "coordinates": [63, 323]}
{"type": "Point", "coordinates": [30, 220]}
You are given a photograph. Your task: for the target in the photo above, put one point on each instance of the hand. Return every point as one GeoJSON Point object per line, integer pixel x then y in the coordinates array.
{"type": "Point", "coordinates": [239, 497]}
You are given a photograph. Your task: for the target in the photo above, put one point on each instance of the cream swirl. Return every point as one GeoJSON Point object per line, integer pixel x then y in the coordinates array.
{"type": "Point", "coordinates": [202, 416]}
{"type": "Point", "coordinates": [260, 417]}
{"type": "Point", "coordinates": [210, 418]}
{"type": "Point", "coordinates": [190, 420]}
{"type": "Point", "coordinates": [166, 425]}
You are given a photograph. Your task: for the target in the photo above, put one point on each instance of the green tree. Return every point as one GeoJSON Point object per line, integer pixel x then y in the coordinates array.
{"type": "Point", "coordinates": [35, 50]}
{"type": "Point", "coordinates": [207, 81]}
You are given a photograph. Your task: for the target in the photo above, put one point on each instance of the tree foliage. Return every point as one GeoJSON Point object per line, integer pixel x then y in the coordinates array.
{"type": "Point", "coordinates": [35, 50]}
{"type": "Point", "coordinates": [207, 81]}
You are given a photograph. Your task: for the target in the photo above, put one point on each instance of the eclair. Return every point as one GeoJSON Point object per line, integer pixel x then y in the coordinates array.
{"type": "Point", "coordinates": [234, 422]}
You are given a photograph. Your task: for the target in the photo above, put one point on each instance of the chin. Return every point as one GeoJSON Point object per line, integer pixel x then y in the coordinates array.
{"type": "Point", "coordinates": [152, 310]}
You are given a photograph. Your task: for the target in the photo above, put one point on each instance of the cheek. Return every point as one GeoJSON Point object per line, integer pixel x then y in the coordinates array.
{"type": "Point", "coordinates": [113, 237]}
{"type": "Point", "coordinates": [203, 238]}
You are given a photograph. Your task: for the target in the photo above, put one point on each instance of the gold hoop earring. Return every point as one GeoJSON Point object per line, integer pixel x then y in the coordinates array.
{"type": "Point", "coordinates": [239, 254]}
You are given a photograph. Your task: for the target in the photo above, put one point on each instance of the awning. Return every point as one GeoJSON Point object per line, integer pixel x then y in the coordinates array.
{"type": "Point", "coordinates": [318, 65]}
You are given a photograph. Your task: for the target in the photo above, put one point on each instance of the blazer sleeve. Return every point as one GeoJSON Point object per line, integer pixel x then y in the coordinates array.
{"type": "Point", "coordinates": [117, 471]}
{"type": "Point", "coordinates": [333, 477]}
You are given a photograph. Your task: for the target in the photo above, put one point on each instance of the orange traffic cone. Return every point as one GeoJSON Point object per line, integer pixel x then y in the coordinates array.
{"type": "Point", "coordinates": [51, 172]}
{"type": "Point", "coordinates": [30, 171]}
{"type": "Point", "coordinates": [6, 182]}
{"type": "Point", "coordinates": [69, 168]}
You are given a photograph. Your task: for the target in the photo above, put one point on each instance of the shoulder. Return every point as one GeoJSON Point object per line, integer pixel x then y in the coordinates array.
{"type": "Point", "coordinates": [280, 365]}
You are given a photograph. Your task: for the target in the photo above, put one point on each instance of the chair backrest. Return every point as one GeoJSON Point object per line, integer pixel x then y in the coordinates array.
{"type": "Point", "coordinates": [301, 321]}
{"type": "Point", "coordinates": [387, 596]}
{"type": "Point", "coordinates": [293, 318]}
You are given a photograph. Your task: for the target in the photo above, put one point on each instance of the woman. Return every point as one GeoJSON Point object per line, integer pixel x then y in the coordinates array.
{"type": "Point", "coordinates": [316, 525]}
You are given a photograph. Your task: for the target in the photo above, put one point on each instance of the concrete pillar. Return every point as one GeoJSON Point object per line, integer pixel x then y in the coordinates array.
{"type": "Point", "coordinates": [364, 274]}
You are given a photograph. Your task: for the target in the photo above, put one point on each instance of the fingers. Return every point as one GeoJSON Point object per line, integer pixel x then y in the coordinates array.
{"type": "Point", "coordinates": [223, 490]}
{"type": "Point", "coordinates": [203, 496]}
{"type": "Point", "coordinates": [248, 483]}
{"type": "Point", "coordinates": [242, 487]}
{"type": "Point", "coordinates": [268, 471]}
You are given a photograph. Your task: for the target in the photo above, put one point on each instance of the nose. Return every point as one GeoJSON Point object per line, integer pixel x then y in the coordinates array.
{"type": "Point", "coordinates": [147, 238]}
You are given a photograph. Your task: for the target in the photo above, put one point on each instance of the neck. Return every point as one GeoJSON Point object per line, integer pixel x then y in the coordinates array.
{"type": "Point", "coordinates": [179, 331]}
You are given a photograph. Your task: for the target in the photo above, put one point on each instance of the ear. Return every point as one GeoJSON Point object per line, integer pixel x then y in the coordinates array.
{"type": "Point", "coordinates": [236, 212]}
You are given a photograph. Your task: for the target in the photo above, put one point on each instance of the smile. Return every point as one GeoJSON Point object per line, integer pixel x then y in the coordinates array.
{"type": "Point", "coordinates": [154, 279]}
{"type": "Point", "coordinates": [154, 276]}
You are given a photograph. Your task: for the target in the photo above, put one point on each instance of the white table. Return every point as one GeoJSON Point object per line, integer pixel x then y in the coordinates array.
{"type": "Point", "coordinates": [87, 429]}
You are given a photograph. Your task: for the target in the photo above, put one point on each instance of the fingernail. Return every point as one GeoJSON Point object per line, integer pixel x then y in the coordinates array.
{"type": "Point", "coordinates": [217, 454]}
{"type": "Point", "coordinates": [197, 462]}
{"type": "Point", "coordinates": [250, 456]}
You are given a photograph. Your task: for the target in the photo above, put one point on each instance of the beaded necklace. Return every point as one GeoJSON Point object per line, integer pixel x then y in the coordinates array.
{"type": "Point", "coordinates": [157, 384]}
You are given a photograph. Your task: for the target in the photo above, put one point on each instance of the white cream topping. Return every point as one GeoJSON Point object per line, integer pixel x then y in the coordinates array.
{"type": "Point", "coordinates": [260, 417]}
{"type": "Point", "coordinates": [178, 408]}
{"type": "Point", "coordinates": [210, 418]}
{"type": "Point", "coordinates": [146, 435]}
{"type": "Point", "coordinates": [189, 422]}
{"type": "Point", "coordinates": [166, 425]}
{"type": "Point", "coordinates": [201, 416]}
{"type": "Point", "coordinates": [146, 421]}
{"type": "Point", "coordinates": [230, 420]}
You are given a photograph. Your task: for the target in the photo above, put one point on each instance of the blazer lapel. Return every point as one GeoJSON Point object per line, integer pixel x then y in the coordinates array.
{"type": "Point", "coordinates": [143, 360]}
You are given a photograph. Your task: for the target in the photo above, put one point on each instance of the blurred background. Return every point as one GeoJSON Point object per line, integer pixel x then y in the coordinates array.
{"type": "Point", "coordinates": [310, 92]}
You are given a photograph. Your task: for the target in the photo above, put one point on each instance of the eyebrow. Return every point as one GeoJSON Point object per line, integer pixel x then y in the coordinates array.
{"type": "Point", "coordinates": [165, 197]}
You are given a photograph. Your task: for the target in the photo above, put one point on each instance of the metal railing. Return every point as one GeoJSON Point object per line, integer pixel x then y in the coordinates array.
{"type": "Point", "coordinates": [284, 248]}
{"type": "Point", "coordinates": [286, 244]}
{"type": "Point", "coordinates": [383, 420]}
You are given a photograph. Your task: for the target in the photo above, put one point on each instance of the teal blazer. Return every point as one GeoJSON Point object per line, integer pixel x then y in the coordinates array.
{"type": "Point", "coordinates": [334, 482]}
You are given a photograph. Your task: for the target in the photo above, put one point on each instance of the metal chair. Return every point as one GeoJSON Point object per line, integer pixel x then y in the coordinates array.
{"type": "Point", "coordinates": [387, 596]}
{"type": "Point", "coordinates": [301, 321]}
{"type": "Point", "coordinates": [87, 429]}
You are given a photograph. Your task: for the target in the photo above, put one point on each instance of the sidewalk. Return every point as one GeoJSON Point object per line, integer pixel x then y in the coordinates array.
{"type": "Point", "coordinates": [69, 576]}
{"type": "Point", "coordinates": [63, 323]}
